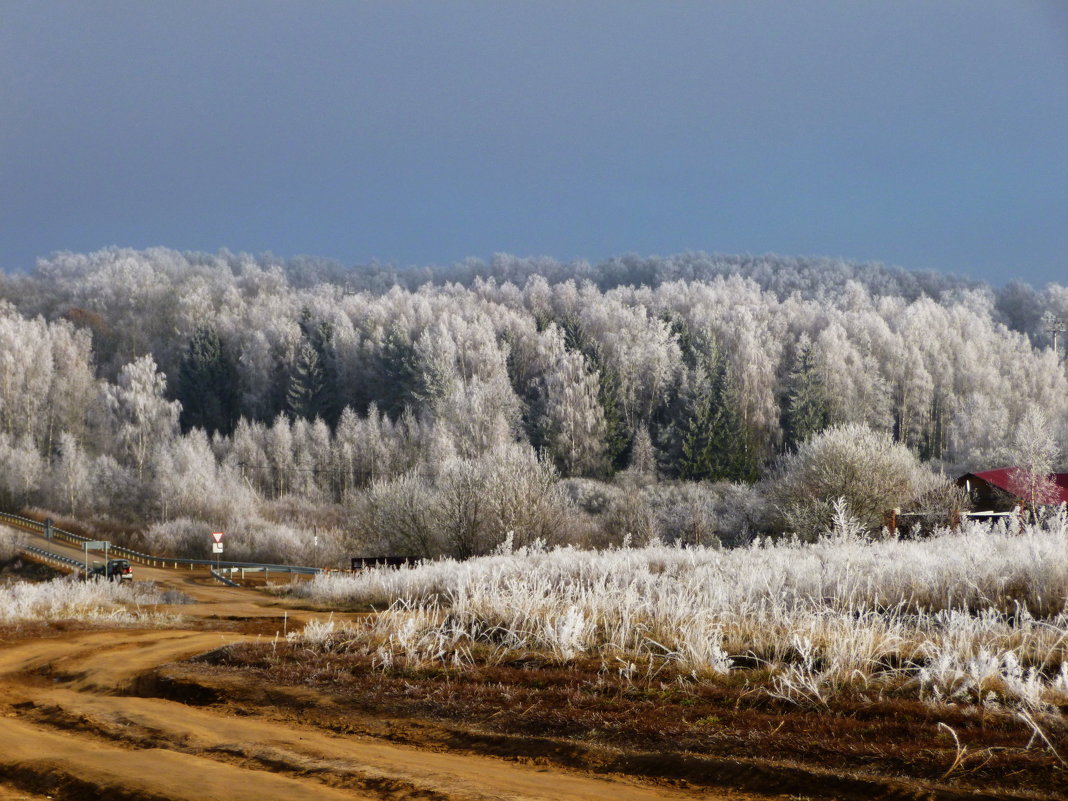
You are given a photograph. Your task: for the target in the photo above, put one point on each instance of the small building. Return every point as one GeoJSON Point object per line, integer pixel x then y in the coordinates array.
{"type": "Point", "coordinates": [995, 490]}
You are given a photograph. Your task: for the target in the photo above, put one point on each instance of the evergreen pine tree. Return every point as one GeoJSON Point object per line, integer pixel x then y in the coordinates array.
{"type": "Point", "coordinates": [328, 401]}
{"type": "Point", "coordinates": [715, 446]}
{"type": "Point", "coordinates": [313, 379]}
{"type": "Point", "coordinates": [695, 459]}
{"type": "Point", "coordinates": [207, 384]}
{"type": "Point", "coordinates": [305, 382]}
{"type": "Point", "coordinates": [617, 438]}
{"type": "Point", "coordinates": [805, 409]}
{"type": "Point", "coordinates": [398, 374]}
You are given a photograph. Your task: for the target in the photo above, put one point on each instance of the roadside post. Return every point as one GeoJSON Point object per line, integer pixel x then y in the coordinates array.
{"type": "Point", "coordinates": [48, 528]}
{"type": "Point", "coordinates": [217, 547]}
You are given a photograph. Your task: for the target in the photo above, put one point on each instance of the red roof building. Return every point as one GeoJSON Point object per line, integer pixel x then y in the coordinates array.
{"type": "Point", "coordinates": [993, 486]}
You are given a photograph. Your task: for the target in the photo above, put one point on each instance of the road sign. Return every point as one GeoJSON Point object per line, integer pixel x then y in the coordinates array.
{"type": "Point", "coordinates": [95, 545]}
{"type": "Point", "coordinates": [217, 536]}
{"type": "Point", "coordinates": [216, 547]}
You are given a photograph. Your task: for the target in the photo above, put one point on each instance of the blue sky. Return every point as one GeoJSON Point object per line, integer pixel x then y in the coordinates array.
{"type": "Point", "coordinates": [923, 134]}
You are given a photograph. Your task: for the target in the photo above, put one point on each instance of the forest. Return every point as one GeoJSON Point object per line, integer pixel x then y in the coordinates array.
{"type": "Point", "coordinates": [448, 410]}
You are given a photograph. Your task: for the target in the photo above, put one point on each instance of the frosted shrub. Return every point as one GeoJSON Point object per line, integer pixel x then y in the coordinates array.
{"type": "Point", "coordinates": [262, 541]}
{"type": "Point", "coordinates": [566, 635]}
{"type": "Point", "coordinates": [179, 537]}
{"type": "Point", "coordinates": [246, 540]}
{"type": "Point", "coordinates": [395, 516]}
{"type": "Point", "coordinates": [866, 468]}
{"type": "Point", "coordinates": [466, 510]}
{"type": "Point", "coordinates": [317, 633]}
{"type": "Point", "coordinates": [10, 539]}
{"type": "Point", "coordinates": [70, 599]}
{"type": "Point", "coordinates": [702, 513]}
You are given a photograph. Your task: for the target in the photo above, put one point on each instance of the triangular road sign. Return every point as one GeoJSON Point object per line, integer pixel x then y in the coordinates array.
{"type": "Point", "coordinates": [217, 536]}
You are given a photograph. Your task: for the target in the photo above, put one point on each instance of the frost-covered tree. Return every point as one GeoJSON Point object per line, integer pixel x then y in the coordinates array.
{"type": "Point", "coordinates": [281, 464]}
{"type": "Point", "coordinates": [306, 383]}
{"type": "Point", "coordinates": [142, 419]}
{"type": "Point", "coordinates": [71, 477]}
{"type": "Point", "coordinates": [73, 389]}
{"type": "Point", "coordinates": [21, 470]}
{"type": "Point", "coordinates": [26, 373]}
{"type": "Point", "coordinates": [1034, 453]}
{"type": "Point", "coordinates": [574, 421]}
{"type": "Point", "coordinates": [643, 457]}
{"type": "Point", "coordinates": [347, 380]}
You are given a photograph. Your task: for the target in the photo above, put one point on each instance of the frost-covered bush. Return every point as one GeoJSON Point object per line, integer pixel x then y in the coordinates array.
{"type": "Point", "coordinates": [723, 512]}
{"type": "Point", "coordinates": [694, 513]}
{"type": "Point", "coordinates": [178, 537]}
{"type": "Point", "coordinates": [250, 540]}
{"type": "Point", "coordinates": [264, 541]}
{"type": "Point", "coordinates": [865, 467]}
{"type": "Point", "coordinates": [606, 514]}
{"type": "Point", "coordinates": [395, 516]}
{"type": "Point", "coordinates": [591, 496]}
{"type": "Point", "coordinates": [469, 508]}
{"type": "Point", "coordinates": [70, 599]}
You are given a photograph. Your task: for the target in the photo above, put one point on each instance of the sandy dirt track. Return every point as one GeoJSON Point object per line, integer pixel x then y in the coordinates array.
{"type": "Point", "coordinates": [69, 730]}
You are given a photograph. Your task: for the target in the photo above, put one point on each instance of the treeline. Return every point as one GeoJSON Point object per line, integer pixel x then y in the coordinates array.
{"type": "Point", "coordinates": [191, 385]}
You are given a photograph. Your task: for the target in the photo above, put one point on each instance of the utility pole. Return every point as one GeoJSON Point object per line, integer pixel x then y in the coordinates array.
{"type": "Point", "coordinates": [1054, 326]}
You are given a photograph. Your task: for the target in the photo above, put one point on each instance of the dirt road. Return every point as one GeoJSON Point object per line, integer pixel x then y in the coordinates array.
{"type": "Point", "coordinates": [212, 598]}
{"type": "Point", "coordinates": [74, 725]}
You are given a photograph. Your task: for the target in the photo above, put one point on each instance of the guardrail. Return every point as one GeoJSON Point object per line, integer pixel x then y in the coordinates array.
{"type": "Point", "coordinates": [54, 558]}
{"type": "Point", "coordinates": [146, 559]}
{"type": "Point", "coordinates": [220, 577]}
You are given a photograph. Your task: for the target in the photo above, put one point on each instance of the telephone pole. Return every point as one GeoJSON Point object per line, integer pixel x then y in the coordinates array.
{"type": "Point", "coordinates": [1054, 326]}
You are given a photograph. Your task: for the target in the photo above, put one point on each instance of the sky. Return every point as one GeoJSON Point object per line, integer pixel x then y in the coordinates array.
{"type": "Point", "coordinates": [926, 134]}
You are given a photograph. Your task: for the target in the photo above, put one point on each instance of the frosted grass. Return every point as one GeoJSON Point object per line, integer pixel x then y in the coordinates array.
{"type": "Point", "coordinates": [975, 616]}
{"type": "Point", "coordinates": [69, 599]}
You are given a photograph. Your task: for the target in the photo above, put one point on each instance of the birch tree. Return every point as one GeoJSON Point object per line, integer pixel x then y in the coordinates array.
{"type": "Point", "coordinates": [1034, 453]}
{"type": "Point", "coordinates": [574, 418]}
{"type": "Point", "coordinates": [142, 417]}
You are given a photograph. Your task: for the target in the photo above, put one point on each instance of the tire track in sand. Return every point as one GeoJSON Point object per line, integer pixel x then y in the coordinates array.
{"type": "Point", "coordinates": [76, 737]}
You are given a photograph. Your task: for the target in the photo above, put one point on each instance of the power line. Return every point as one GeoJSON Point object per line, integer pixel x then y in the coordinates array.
{"type": "Point", "coordinates": [294, 469]}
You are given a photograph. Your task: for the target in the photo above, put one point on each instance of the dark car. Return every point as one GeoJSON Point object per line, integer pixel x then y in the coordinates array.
{"type": "Point", "coordinates": [114, 570]}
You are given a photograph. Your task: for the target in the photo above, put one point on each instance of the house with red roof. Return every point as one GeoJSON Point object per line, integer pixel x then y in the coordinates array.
{"type": "Point", "coordinates": [997, 491]}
